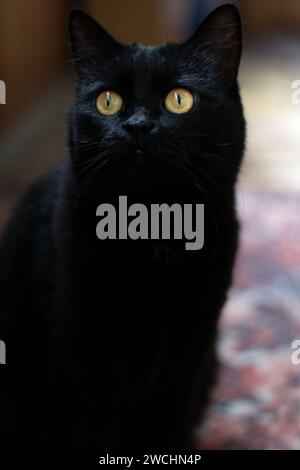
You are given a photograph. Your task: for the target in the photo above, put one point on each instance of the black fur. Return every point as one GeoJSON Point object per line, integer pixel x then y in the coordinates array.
{"type": "Point", "coordinates": [111, 344]}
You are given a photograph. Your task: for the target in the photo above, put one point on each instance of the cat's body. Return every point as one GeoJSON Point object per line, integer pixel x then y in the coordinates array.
{"type": "Point", "coordinates": [110, 344]}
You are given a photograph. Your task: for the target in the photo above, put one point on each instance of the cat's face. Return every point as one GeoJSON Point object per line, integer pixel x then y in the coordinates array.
{"type": "Point", "coordinates": [151, 118]}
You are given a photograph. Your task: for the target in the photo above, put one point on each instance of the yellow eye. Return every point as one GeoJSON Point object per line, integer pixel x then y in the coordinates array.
{"type": "Point", "coordinates": [179, 100]}
{"type": "Point", "coordinates": [109, 102]}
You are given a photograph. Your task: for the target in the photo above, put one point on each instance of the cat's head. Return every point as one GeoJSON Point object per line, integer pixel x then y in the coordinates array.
{"type": "Point", "coordinates": [150, 119]}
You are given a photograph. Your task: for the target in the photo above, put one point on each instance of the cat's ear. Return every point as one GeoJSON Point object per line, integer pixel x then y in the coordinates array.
{"type": "Point", "coordinates": [221, 36]}
{"type": "Point", "coordinates": [89, 40]}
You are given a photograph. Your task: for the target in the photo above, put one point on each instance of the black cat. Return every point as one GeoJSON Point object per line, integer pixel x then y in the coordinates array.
{"type": "Point", "coordinates": [111, 343]}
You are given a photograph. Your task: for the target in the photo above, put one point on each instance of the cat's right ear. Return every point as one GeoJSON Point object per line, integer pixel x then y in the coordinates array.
{"type": "Point", "coordinates": [89, 41]}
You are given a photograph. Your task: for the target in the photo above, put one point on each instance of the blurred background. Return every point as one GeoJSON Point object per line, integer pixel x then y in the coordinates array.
{"type": "Point", "coordinates": [257, 401]}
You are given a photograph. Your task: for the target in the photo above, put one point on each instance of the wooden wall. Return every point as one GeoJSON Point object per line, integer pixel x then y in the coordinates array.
{"type": "Point", "coordinates": [265, 16]}
{"type": "Point", "coordinates": [32, 51]}
{"type": "Point", "coordinates": [33, 36]}
{"type": "Point", "coordinates": [145, 21]}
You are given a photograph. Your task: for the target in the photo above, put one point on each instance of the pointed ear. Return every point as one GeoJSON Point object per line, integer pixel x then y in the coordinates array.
{"type": "Point", "coordinates": [89, 40]}
{"type": "Point", "coordinates": [221, 36]}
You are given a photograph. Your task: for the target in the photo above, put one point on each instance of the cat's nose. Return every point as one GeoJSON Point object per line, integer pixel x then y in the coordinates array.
{"type": "Point", "coordinates": [138, 124]}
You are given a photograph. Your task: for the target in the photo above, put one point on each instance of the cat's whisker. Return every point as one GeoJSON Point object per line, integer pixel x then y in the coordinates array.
{"type": "Point", "coordinates": [90, 162]}
{"type": "Point", "coordinates": [92, 173]}
{"type": "Point", "coordinates": [51, 170]}
{"type": "Point", "coordinates": [216, 157]}
{"type": "Point", "coordinates": [219, 193]}
{"type": "Point", "coordinates": [206, 195]}
{"type": "Point", "coordinates": [88, 145]}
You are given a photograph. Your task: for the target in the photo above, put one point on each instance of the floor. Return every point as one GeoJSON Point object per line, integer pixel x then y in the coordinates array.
{"type": "Point", "coordinates": [256, 404]}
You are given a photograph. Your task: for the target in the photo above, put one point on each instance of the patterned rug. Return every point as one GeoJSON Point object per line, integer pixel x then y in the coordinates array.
{"type": "Point", "coordinates": [256, 404]}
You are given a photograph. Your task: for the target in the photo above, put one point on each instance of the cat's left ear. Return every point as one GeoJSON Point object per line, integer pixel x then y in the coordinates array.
{"type": "Point", "coordinates": [221, 36]}
{"type": "Point", "coordinates": [90, 42]}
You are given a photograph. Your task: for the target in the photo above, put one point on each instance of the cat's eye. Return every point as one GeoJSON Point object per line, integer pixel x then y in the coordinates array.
{"type": "Point", "coordinates": [179, 101]}
{"type": "Point", "coordinates": [109, 103]}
